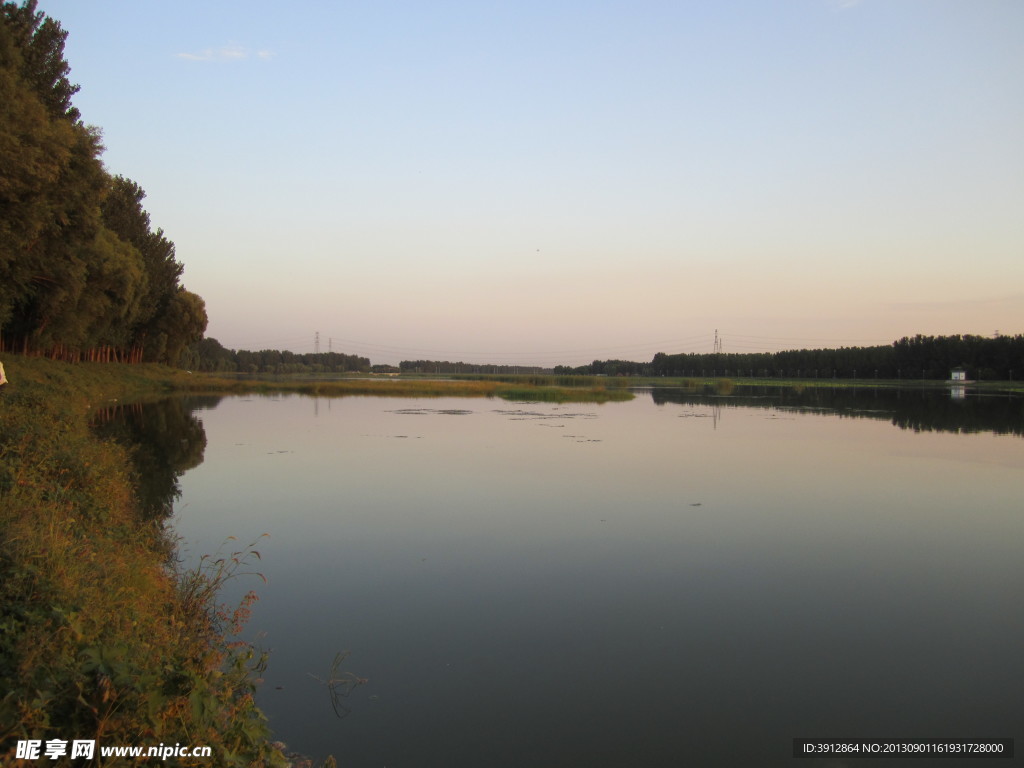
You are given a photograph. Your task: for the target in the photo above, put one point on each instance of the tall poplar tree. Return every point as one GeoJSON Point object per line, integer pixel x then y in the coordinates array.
{"type": "Point", "coordinates": [35, 151]}
{"type": "Point", "coordinates": [124, 215]}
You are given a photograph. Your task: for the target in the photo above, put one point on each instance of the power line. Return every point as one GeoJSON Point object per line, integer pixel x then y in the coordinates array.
{"type": "Point", "coordinates": [787, 339]}
{"type": "Point", "coordinates": [386, 348]}
{"type": "Point", "coordinates": [692, 344]}
{"type": "Point", "coordinates": [630, 351]}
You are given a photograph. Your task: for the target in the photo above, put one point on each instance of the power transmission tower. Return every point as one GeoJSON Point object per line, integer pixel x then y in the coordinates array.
{"type": "Point", "coordinates": [718, 343]}
{"type": "Point", "coordinates": [316, 343]}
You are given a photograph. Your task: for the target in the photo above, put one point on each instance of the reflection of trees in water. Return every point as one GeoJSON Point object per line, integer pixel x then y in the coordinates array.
{"type": "Point", "coordinates": [164, 440]}
{"type": "Point", "coordinates": [917, 409]}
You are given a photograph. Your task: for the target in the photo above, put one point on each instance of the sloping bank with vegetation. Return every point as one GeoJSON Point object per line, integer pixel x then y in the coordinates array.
{"type": "Point", "coordinates": [101, 637]}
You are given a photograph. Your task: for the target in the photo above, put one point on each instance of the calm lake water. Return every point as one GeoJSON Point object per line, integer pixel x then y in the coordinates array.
{"type": "Point", "coordinates": [676, 580]}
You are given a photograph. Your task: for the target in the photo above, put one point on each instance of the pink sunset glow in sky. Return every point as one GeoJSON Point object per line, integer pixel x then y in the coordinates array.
{"type": "Point", "coordinates": [555, 182]}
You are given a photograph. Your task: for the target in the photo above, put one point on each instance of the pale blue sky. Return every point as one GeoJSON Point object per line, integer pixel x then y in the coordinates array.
{"type": "Point", "coordinates": [553, 182]}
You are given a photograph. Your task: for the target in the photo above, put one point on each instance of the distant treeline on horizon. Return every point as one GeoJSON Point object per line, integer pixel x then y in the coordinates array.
{"type": "Point", "coordinates": [210, 355]}
{"type": "Point", "coordinates": [917, 357]}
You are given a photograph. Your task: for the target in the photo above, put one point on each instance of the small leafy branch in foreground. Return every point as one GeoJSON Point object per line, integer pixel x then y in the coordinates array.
{"type": "Point", "coordinates": [202, 585]}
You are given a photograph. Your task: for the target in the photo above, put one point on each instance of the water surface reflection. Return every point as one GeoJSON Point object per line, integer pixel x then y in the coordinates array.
{"type": "Point", "coordinates": [673, 580]}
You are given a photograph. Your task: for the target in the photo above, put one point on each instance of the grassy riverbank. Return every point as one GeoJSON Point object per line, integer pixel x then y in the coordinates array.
{"type": "Point", "coordinates": [100, 637]}
{"type": "Point", "coordinates": [98, 384]}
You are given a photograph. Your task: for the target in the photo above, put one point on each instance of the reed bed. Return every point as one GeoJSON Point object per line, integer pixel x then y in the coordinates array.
{"type": "Point", "coordinates": [582, 389]}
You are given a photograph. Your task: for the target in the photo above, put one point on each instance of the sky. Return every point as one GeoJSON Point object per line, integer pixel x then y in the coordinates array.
{"type": "Point", "coordinates": [525, 182]}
